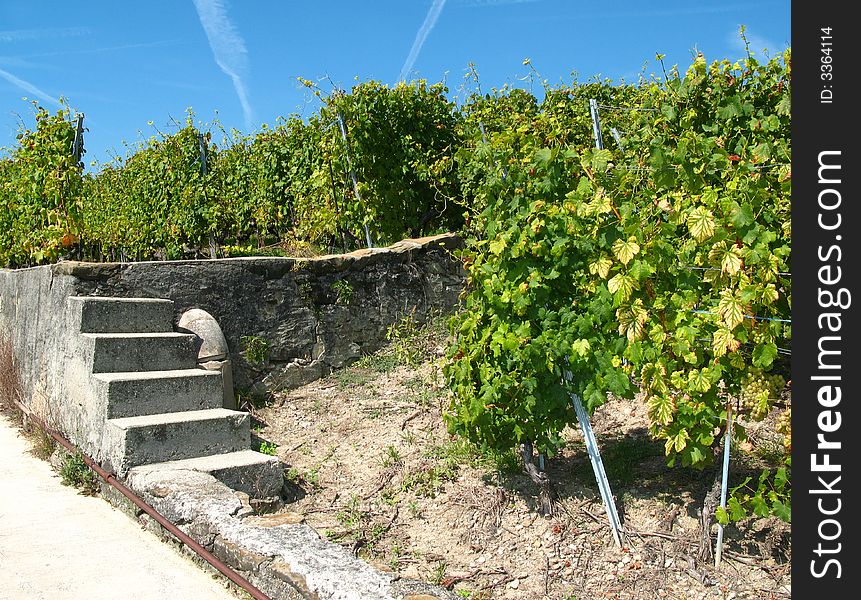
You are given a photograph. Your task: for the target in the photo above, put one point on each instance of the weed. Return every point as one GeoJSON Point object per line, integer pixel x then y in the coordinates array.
{"type": "Point", "coordinates": [421, 391]}
{"type": "Point", "coordinates": [428, 481]}
{"type": "Point", "coordinates": [380, 362]}
{"type": "Point", "coordinates": [308, 479]}
{"type": "Point", "coordinates": [459, 451]}
{"type": "Point", "coordinates": [306, 290]}
{"type": "Point", "coordinates": [249, 400]}
{"type": "Point", "coordinates": [402, 336]}
{"type": "Point", "coordinates": [771, 452]}
{"type": "Point", "coordinates": [464, 593]}
{"type": "Point", "coordinates": [293, 476]}
{"type": "Point", "coordinates": [389, 497]}
{"type": "Point", "coordinates": [11, 390]}
{"type": "Point", "coordinates": [439, 573]}
{"type": "Point", "coordinates": [395, 560]}
{"type": "Point", "coordinates": [255, 349]}
{"type": "Point", "coordinates": [344, 291]}
{"type": "Point", "coordinates": [351, 517]}
{"type": "Point", "coordinates": [415, 510]}
{"type": "Point", "coordinates": [391, 457]}
{"type": "Point", "coordinates": [269, 448]}
{"type": "Point", "coordinates": [352, 377]}
{"type": "Point", "coordinates": [43, 444]}
{"type": "Point", "coordinates": [75, 472]}
{"type": "Point", "coordinates": [409, 437]}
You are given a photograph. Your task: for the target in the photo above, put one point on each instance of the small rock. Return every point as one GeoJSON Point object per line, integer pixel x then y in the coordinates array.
{"type": "Point", "coordinates": [514, 584]}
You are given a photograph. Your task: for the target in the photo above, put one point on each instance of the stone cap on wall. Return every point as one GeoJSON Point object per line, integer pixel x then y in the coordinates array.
{"type": "Point", "coordinates": [357, 258]}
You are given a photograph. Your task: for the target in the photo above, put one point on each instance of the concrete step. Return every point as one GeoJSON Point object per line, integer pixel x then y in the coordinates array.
{"type": "Point", "coordinates": [258, 475]}
{"type": "Point", "coordinates": [98, 314]}
{"type": "Point", "coordinates": [132, 441]}
{"type": "Point", "coordinates": [123, 352]}
{"type": "Point", "coordinates": [133, 394]}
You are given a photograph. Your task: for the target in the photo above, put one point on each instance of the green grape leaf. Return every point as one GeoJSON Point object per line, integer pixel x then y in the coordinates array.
{"type": "Point", "coordinates": [764, 355]}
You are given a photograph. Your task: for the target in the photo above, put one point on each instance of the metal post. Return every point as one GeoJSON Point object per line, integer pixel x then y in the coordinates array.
{"type": "Point", "coordinates": [78, 142]}
{"type": "Point", "coordinates": [597, 466]}
{"type": "Point", "coordinates": [343, 128]}
{"type": "Point", "coordinates": [201, 145]}
{"type": "Point", "coordinates": [724, 481]}
{"type": "Point", "coordinates": [596, 124]}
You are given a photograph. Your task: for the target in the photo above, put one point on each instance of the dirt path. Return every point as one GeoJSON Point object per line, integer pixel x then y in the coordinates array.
{"type": "Point", "coordinates": [373, 468]}
{"type": "Point", "coordinates": [57, 544]}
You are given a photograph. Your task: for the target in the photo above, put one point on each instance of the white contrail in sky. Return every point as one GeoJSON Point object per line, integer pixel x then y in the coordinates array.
{"type": "Point", "coordinates": [228, 48]}
{"type": "Point", "coordinates": [421, 36]}
{"type": "Point", "coordinates": [29, 88]}
{"type": "Point", "coordinates": [18, 35]}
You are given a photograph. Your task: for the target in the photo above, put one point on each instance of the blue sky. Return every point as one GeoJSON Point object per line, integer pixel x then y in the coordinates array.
{"type": "Point", "coordinates": [125, 64]}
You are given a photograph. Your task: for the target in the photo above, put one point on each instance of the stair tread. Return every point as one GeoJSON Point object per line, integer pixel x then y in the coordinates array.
{"type": "Point", "coordinates": [154, 375]}
{"type": "Point", "coordinates": [212, 462]}
{"type": "Point", "coordinates": [116, 299]}
{"type": "Point", "coordinates": [174, 417]}
{"type": "Point", "coordinates": [153, 334]}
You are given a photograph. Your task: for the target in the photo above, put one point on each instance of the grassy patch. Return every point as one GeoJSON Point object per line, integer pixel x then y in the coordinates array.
{"type": "Point", "coordinates": [429, 479]}
{"type": "Point", "coordinates": [379, 362]}
{"type": "Point", "coordinates": [75, 472]}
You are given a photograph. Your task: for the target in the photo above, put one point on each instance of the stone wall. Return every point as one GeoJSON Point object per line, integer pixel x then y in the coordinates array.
{"type": "Point", "coordinates": [316, 314]}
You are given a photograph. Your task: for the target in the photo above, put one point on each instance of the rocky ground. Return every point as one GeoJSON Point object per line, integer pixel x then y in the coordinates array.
{"type": "Point", "coordinates": [371, 466]}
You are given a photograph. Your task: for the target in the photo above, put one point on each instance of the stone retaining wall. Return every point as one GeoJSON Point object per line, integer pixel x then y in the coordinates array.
{"type": "Point", "coordinates": [315, 314]}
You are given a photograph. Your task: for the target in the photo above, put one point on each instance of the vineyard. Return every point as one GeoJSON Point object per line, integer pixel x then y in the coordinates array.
{"type": "Point", "coordinates": [640, 248]}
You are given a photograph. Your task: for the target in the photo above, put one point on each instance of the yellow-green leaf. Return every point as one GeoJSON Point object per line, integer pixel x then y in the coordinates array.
{"type": "Point", "coordinates": [699, 381]}
{"type": "Point", "coordinates": [625, 250]}
{"type": "Point", "coordinates": [677, 442]}
{"type": "Point", "coordinates": [580, 347]}
{"type": "Point", "coordinates": [724, 341]}
{"type": "Point", "coordinates": [730, 308]}
{"type": "Point", "coordinates": [497, 246]}
{"type": "Point", "coordinates": [660, 409]}
{"type": "Point", "coordinates": [701, 223]}
{"type": "Point", "coordinates": [601, 267]}
{"type": "Point", "coordinates": [731, 261]}
{"type": "Point", "coordinates": [632, 320]}
{"type": "Point", "coordinates": [622, 286]}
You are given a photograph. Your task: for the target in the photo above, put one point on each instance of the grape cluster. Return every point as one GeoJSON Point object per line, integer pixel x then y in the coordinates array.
{"type": "Point", "coordinates": [784, 426]}
{"type": "Point", "coordinates": [758, 392]}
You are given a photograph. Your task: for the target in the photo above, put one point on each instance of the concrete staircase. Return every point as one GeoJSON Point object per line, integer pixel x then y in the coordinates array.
{"type": "Point", "coordinates": [161, 411]}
